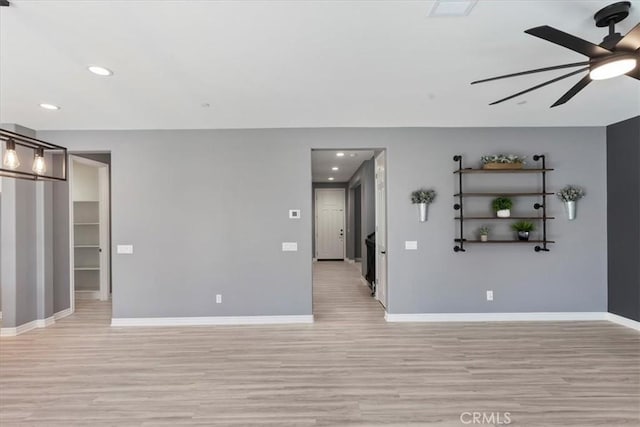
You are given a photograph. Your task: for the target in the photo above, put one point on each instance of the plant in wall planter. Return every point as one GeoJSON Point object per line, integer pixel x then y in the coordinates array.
{"type": "Point", "coordinates": [502, 207]}
{"type": "Point", "coordinates": [523, 228]}
{"type": "Point", "coordinates": [502, 161]}
{"type": "Point", "coordinates": [484, 233]}
{"type": "Point", "coordinates": [570, 195]}
{"type": "Point", "coordinates": [423, 198]}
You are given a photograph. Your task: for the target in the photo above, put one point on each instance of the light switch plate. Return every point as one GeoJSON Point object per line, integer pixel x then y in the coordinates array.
{"type": "Point", "coordinates": [294, 213]}
{"type": "Point", "coordinates": [124, 249]}
{"type": "Point", "coordinates": [411, 245]}
{"type": "Point", "coordinates": [289, 246]}
{"type": "Point", "coordinates": [489, 295]}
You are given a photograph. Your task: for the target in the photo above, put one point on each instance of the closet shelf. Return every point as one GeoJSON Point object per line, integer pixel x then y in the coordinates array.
{"type": "Point", "coordinates": [87, 268]}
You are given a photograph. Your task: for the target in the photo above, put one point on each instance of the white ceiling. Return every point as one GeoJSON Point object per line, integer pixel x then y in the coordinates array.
{"type": "Point", "coordinates": [266, 64]}
{"type": "Point", "coordinates": [323, 160]}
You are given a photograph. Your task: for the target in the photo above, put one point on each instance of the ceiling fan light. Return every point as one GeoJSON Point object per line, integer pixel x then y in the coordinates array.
{"type": "Point", "coordinates": [613, 68]}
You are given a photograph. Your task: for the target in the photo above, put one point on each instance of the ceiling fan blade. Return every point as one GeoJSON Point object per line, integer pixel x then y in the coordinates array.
{"type": "Point", "coordinates": [567, 40]}
{"type": "Point", "coordinates": [573, 73]}
{"type": "Point", "coordinates": [573, 91]}
{"type": "Point", "coordinates": [538, 70]}
{"type": "Point", "coordinates": [631, 41]}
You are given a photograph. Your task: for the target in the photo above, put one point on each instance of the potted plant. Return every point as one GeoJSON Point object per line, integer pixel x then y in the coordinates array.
{"type": "Point", "coordinates": [502, 161]}
{"type": "Point", "coordinates": [484, 233]}
{"type": "Point", "coordinates": [423, 198]}
{"type": "Point", "coordinates": [502, 207]}
{"type": "Point", "coordinates": [569, 195]}
{"type": "Point", "coordinates": [523, 228]}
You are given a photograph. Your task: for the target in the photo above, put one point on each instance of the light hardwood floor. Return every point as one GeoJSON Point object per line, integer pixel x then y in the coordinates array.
{"type": "Point", "coordinates": [349, 368]}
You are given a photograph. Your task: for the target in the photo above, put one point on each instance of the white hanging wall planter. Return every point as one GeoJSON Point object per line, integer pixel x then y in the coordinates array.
{"type": "Point", "coordinates": [570, 195]}
{"type": "Point", "coordinates": [423, 198]}
{"type": "Point", "coordinates": [423, 211]}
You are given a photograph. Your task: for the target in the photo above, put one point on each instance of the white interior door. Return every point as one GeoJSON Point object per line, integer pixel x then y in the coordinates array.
{"type": "Point", "coordinates": [381, 229]}
{"type": "Point", "coordinates": [330, 221]}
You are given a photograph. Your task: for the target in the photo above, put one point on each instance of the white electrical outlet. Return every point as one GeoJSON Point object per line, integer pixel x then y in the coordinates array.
{"type": "Point", "coordinates": [489, 295]}
{"type": "Point", "coordinates": [411, 245]}
{"type": "Point", "coordinates": [289, 246]}
{"type": "Point", "coordinates": [124, 249]}
{"type": "Point", "coordinates": [218, 299]}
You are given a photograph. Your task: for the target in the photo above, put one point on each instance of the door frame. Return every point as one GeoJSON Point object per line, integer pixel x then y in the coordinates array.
{"type": "Point", "coordinates": [382, 297]}
{"type": "Point", "coordinates": [344, 219]}
{"type": "Point", "coordinates": [104, 213]}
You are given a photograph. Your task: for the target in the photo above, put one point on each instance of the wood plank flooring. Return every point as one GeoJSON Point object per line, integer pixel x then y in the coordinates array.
{"type": "Point", "coordinates": [349, 368]}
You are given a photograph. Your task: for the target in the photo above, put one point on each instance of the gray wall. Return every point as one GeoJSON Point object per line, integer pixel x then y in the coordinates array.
{"type": "Point", "coordinates": [365, 178]}
{"type": "Point", "coordinates": [207, 215]}
{"type": "Point", "coordinates": [623, 182]}
{"type": "Point", "coordinates": [314, 186]}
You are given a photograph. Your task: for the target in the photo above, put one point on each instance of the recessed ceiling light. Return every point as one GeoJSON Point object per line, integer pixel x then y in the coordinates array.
{"type": "Point", "coordinates": [335, 168]}
{"type": "Point", "coordinates": [100, 71]}
{"type": "Point", "coordinates": [331, 178]}
{"type": "Point", "coordinates": [49, 107]}
{"type": "Point", "coordinates": [340, 154]}
{"type": "Point", "coordinates": [352, 155]}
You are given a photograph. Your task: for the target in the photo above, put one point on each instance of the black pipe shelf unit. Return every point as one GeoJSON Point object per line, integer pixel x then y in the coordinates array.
{"type": "Point", "coordinates": [541, 244]}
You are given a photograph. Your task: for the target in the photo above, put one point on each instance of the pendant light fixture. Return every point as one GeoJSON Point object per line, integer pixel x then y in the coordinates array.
{"type": "Point", "coordinates": [43, 153]}
{"type": "Point", "coordinates": [10, 159]}
{"type": "Point", "coordinates": [39, 165]}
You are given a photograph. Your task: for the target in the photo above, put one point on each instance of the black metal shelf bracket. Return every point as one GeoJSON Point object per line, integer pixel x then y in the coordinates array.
{"type": "Point", "coordinates": [459, 205]}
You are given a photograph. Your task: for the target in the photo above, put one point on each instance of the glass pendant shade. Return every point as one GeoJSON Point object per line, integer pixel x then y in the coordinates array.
{"type": "Point", "coordinates": [10, 159]}
{"type": "Point", "coordinates": [39, 165]}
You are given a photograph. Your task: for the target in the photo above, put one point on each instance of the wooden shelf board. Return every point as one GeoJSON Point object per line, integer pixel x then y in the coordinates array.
{"type": "Point", "coordinates": [525, 170]}
{"type": "Point", "coordinates": [504, 193]}
{"type": "Point", "coordinates": [86, 223]}
{"type": "Point", "coordinates": [505, 241]}
{"type": "Point", "coordinates": [502, 219]}
{"type": "Point", "coordinates": [87, 268]}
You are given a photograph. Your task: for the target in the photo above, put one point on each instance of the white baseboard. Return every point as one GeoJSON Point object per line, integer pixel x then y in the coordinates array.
{"type": "Point", "coordinates": [43, 323]}
{"type": "Point", "coordinates": [211, 321]}
{"type": "Point", "coordinates": [349, 260]}
{"type": "Point", "coordinates": [62, 314]}
{"type": "Point", "coordinates": [87, 295]}
{"type": "Point", "coordinates": [364, 281]}
{"type": "Point", "coordinates": [25, 327]}
{"type": "Point", "coordinates": [629, 323]}
{"type": "Point", "coordinates": [495, 317]}
{"type": "Point", "coordinates": [38, 323]}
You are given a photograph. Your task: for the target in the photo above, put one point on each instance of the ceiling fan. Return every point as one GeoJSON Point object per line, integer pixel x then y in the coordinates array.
{"type": "Point", "coordinates": [614, 56]}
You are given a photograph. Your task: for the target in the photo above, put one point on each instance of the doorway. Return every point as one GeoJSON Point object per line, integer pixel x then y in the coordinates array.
{"type": "Point", "coordinates": [348, 211]}
{"type": "Point", "coordinates": [89, 229]}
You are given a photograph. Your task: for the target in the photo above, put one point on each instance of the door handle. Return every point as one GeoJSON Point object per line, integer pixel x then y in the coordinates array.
{"type": "Point", "coordinates": [383, 252]}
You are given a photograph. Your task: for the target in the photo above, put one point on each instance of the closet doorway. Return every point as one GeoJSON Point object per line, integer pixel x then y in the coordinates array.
{"type": "Point", "coordinates": [89, 227]}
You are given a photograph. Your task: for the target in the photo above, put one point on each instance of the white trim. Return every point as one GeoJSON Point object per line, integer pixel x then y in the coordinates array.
{"type": "Point", "coordinates": [629, 323]}
{"type": "Point", "coordinates": [349, 260]}
{"type": "Point", "coordinates": [214, 320]}
{"type": "Point", "coordinates": [25, 327]}
{"type": "Point", "coordinates": [62, 313]}
{"type": "Point", "coordinates": [43, 323]}
{"type": "Point", "coordinates": [84, 295]}
{"type": "Point", "coordinates": [0, 315]}
{"type": "Point", "coordinates": [496, 317]}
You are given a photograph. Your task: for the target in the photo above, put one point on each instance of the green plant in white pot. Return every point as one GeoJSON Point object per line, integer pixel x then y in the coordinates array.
{"type": "Point", "coordinates": [423, 198]}
{"type": "Point", "coordinates": [484, 233]}
{"type": "Point", "coordinates": [502, 207]}
{"type": "Point", "coordinates": [570, 195]}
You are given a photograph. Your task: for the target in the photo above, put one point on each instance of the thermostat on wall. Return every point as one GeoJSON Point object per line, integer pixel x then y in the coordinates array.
{"type": "Point", "coordinates": [294, 213]}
